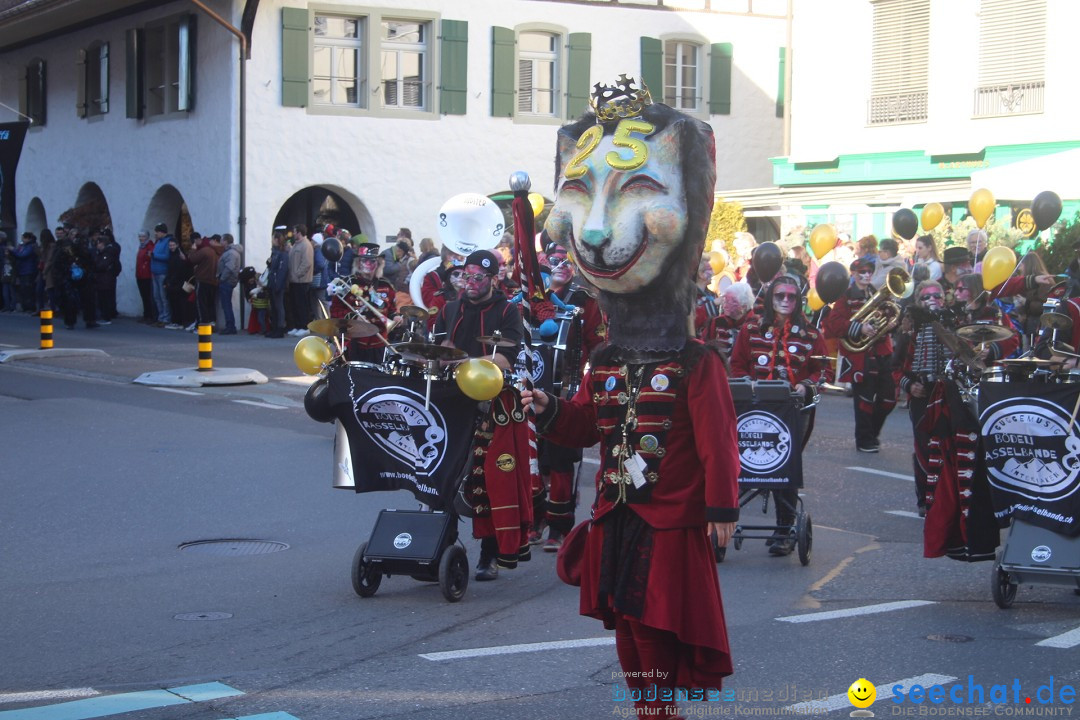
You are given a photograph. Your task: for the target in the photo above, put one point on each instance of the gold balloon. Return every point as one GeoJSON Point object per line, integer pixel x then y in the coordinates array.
{"type": "Point", "coordinates": [536, 200]}
{"type": "Point", "coordinates": [717, 262]}
{"type": "Point", "coordinates": [981, 206]}
{"type": "Point", "coordinates": [311, 354]}
{"type": "Point", "coordinates": [932, 215]}
{"type": "Point", "coordinates": [479, 378]}
{"type": "Point", "coordinates": [814, 300]}
{"type": "Point", "coordinates": [997, 266]}
{"type": "Point", "coordinates": [822, 240]}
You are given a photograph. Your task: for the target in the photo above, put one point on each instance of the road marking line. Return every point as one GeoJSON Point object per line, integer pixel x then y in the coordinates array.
{"type": "Point", "coordinates": [513, 649]}
{"type": "Point", "coordinates": [1064, 640]}
{"type": "Point", "coordinates": [47, 695]}
{"type": "Point", "coordinates": [254, 403]}
{"type": "Point", "coordinates": [270, 716]}
{"type": "Point", "coordinates": [884, 473]}
{"type": "Point", "coordinates": [103, 705]}
{"type": "Point", "coordinates": [852, 612]}
{"type": "Point", "coordinates": [835, 702]}
{"type": "Point", "coordinates": [174, 390]}
{"type": "Point", "coordinates": [903, 513]}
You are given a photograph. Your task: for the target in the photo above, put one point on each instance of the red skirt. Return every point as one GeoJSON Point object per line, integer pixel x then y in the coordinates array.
{"type": "Point", "coordinates": [681, 596]}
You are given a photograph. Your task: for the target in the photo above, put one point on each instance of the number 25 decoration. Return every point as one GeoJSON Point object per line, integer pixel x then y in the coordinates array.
{"type": "Point", "coordinates": [590, 139]}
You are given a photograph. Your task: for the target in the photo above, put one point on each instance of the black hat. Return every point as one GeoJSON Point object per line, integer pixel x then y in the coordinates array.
{"type": "Point", "coordinates": [862, 264]}
{"type": "Point", "coordinates": [485, 259]}
{"type": "Point", "coordinates": [956, 254]}
{"type": "Point", "coordinates": [162, 228]}
{"type": "Point", "coordinates": [367, 249]}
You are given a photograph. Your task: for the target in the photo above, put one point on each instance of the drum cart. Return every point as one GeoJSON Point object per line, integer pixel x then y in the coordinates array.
{"type": "Point", "coordinates": [1034, 555]}
{"type": "Point", "coordinates": [748, 396]}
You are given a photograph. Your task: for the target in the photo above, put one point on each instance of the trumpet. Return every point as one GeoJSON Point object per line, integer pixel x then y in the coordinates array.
{"type": "Point", "coordinates": [880, 311]}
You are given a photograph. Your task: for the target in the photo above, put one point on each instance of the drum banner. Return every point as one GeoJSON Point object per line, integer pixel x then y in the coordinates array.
{"type": "Point", "coordinates": [395, 442]}
{"type": "Point", "coordinates": [769, 443]}
{"type": "Point", "coordinates": [1032, 449]}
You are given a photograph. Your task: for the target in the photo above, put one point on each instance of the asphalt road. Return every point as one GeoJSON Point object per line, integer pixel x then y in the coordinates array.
{"type": "Point", "coordinates": [103, 481]}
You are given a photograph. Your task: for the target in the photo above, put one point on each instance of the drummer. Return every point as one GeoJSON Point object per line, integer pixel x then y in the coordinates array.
{"type": "Point", "coordinates": [365, 280]}
{"type": "Point", "coordinates": [782, 345]}
{"type": "Point", "coordinates": [499, 485]}
{"type": "Point", "coordinates": [972, 306]}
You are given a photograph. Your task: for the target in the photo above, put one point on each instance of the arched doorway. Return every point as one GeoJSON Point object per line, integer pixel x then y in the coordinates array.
{"type": "Point", "coordinates": [36, 220]}
{"type": "Point", "coordinates": [319, 205]}
{"type": "Point", "coordinates": [91, 210]}
{"type": "Point", "coordinates": [168, 206]}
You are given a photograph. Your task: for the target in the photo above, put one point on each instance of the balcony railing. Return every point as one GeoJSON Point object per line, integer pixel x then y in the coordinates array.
{"type": "Point", "coordinates": [1012, 99]}
{"type": "Point", "coordinates": [897, 109]}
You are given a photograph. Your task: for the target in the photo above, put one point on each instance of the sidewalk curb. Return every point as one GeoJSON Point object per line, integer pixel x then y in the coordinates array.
{"type": "Point", "coordinates": [7, 355]}
{"type": "Point", "coordinates": [193, 377]}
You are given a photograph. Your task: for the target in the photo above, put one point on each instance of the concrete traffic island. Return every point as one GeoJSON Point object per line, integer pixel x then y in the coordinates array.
{"type": "Point", "coordinates": [26, 354]}
{"type": "Point", "coordinates": [194, 377]}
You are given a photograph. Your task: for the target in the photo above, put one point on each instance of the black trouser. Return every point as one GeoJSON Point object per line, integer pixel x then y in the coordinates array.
{"type": "Point", "coordinates": [25, 285]}
{"type": "Point", "coordinates": [206, 302]}
{"type": "Point", "coordinates": [106, 300]}
{"type": "Point", "coordinates": [301, 305]}
{"type": "Point", "coordinates": [875, 397]}
{"type": "Point", "coordinates": [917, 409]}
{"type": "Point", "coordinates": [146, 292]}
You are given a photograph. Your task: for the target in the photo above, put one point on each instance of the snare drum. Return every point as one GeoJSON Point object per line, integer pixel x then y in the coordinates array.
{"type": "Point", "coordinates": [995, 374]}
{"type": "Point", "coordinates": [1067, 377]}
{"type": "Point", "coordinates": [367, 366]}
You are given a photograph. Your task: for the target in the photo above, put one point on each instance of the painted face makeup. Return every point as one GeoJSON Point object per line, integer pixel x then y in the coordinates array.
{"type": "Point", "coordinates": [622, 224]}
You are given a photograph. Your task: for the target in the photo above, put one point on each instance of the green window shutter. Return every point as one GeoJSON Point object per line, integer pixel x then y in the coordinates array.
{"type": "Point", "coordinates": [503, 70]}
{"type": "Point", "coordinates": [781, 90]}
{"type": "Point", "coordinates": [294, 57]}
{"type": "Point", "coordinates": [103, 67]}
{"type": "Point", "coordinates": [720, 79]}
{"type": "Point", "coordinates": [80, 83]}
{"type": "Point", "coordinates": [652, 67]}
{"type": "Point", "coordinates": [579, 73]}
{"type": "Point", "coordinates": [24, 93]}
{"type": "Point", "coordinates": [134, 79]}
{"type": "Point", "coordinates": [454, 67]}
{"type": "Point", "coordinates": [38, 106]}
{"type": "Point", "coordinates": [185, 96]}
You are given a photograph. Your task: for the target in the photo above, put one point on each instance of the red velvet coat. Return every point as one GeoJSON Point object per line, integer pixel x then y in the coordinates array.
{"type": "Point", "coordinates": [339, 309]}
{"type": "Point", "coordinates": [838, 324]}
{"type": "Point", "coordinates": [760, 353]}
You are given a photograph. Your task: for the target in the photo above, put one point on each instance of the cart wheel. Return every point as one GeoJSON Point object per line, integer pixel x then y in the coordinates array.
{"type": "Point", "coordinates": [453, 573]}
{"type": "Point", "coordinates": [804, 537]}
{"type": "Point", "coordinates": [1003, 590]}
{"type": "Point", "coordinates": [365, 576]}
{"type": "Point", "coordinates": [736, 538]}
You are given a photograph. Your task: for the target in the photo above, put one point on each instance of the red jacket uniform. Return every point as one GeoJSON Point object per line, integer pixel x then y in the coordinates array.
{"type": "Point", "coordinates": [384, 292]}
{"type": "Point", "coordinates": [785, 353]}
{"type": "Point", "coordinates": [838, 324]}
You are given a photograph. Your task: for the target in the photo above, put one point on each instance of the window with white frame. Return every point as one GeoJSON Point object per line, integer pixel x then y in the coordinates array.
{"type": "Point", "coordinates": [338, 61]}
{"type": "Point", "coordinates": [900, 66]}
{"type": "Point", "coordinates": [404, 72]}
{"type": "Point", "coordinates": [1012, 58]}
{"type": "Point", "coordinates": [682, 75]}
{"type": "Point", "coordinates": [168, 73]}
{"type": "Point", "coordinates": [538, 73]}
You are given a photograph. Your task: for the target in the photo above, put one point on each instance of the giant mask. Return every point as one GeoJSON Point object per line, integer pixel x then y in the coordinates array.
{"type": "Point", "coordinates": [634, 192]}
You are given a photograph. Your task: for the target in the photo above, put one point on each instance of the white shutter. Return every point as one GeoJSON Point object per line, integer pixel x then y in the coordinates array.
{"type": "Point", "coordinates": [900, 68]}
{"type": "Point", "coordinates": [1012, 41]}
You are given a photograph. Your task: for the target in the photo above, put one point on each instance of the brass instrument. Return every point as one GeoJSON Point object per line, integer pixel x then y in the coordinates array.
{"type": "Point", "coordinates": [880, 311]}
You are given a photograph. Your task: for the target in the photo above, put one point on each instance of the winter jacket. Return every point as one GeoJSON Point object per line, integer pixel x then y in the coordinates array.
{"type": "Point", "coordinates": [279, 270]}
{"type": "Point", "coordinates": [883, 267]}
{"type": "Point", "coordinates": [26, 259]}
{"type": "Point", "coordinates": [160, 263]}
{"type": "Point", "coordinates": [229, 264]}
{"type": "Point", "coordinates": [205, 260]}
{"type": "Point", "coordinates": [301, 262]}
{"type": "Point", "coordinates": [143, 260]}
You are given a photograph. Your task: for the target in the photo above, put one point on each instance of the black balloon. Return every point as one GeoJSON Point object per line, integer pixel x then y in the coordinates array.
{"type": "Point", "coordinates": [766, 261]}
{"type": "Point", "coordinates": [317, 402]}
{"type": "Point", "coordinates": [331, 249]}
{"type": "Point", "coordinates": [832, 281]}
{"type": "Point", "coordinates": [1046, 209]}
{"type": "Point", "coordinates": [904, 223]}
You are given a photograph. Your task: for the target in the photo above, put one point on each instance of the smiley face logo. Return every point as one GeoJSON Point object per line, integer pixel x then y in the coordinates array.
{"type": "Point", "coordinates": [862, 693]}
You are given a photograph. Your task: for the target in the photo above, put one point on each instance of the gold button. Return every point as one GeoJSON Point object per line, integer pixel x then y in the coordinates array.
{"type": "Point", "coordinates": [667, 424]}
{"type": "Point", "coordinates": [661, 452]}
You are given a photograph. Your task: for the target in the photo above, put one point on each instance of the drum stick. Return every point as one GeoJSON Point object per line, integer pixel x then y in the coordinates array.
{"type": "Point", "coordinates": [1076, 407]}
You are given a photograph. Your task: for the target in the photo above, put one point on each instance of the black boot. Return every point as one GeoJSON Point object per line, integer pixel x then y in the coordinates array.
{"type": "Point", "coordinates": [486, 568]}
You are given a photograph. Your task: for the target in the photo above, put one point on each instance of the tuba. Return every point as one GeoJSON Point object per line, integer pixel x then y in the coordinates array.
{"type": "Point", "coordinates": [881, 311]}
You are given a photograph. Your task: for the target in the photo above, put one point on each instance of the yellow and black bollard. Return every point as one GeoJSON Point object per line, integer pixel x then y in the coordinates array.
{"type": "Point", "coordinates": [206, 361]}
{"type": "Point", "coordinates": [46, 329]}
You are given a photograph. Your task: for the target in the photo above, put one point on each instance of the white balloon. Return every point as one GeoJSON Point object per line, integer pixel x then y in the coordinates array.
{"type": "Point", "coordinates": [417, 280]}
{"type": "Point", "coordinates": [469, 222]}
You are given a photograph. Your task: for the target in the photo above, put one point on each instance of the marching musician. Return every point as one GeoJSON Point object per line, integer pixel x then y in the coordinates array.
{"type": "Point", "coordinates": [972, 306]}
{"type": "Point", "coordinates": [499, 485]}
{"type": "Point", "coordinates": [782, 345]}
{"type": "Point", "coordinates": [868, 370]}
{"type": "Point", "coordinates": [556, 461]}
{"type": "Point", "coordinates": [723, 329]}
{"type": "Point", "coordinates": [365, 280]}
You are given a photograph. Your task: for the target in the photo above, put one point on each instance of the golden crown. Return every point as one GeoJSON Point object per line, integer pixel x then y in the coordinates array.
{"type": "Point", "coordinates": [621, 100]}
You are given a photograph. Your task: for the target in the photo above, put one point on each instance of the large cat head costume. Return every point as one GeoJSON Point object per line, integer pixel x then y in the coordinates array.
{"type": "Point", "coordinates": [634, 193]}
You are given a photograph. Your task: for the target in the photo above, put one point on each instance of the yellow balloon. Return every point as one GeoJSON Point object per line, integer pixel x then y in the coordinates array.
{"type": "Point", "coordinates": [311, 354]}
{"type": "Point", "coordinates": [479, 378]}
{"type": "Point", "coordinates": [537, 202]}
{"type": "Point", "coordinates": [997, 266]}
{"type": "Point", "coordinates": [981, 206]}
{"type": "Point", "coordinates": [814, 300]}
{"type": "Point", "coordinates": [932, 215]}
{"type": "Point", "coordinates": [717, 262]}
{"type": "Point", "coordinates": [822, 240]}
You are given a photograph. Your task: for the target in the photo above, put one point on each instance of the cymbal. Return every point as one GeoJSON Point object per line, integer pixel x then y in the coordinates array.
{"type": "Point", "coordinates": [1056, 321]}
{"type": "Point", "coordinates": [1028, 362]}
{"type": "Point", "coordinates": [413, 312]}
{"type": "Point", "coordinates": [984, 332]}
{"type": "Point", "coordinates": [959, 347]}
{"type": "Point", "coordinates": [419, 352]}
{"type": "Point", "coordinates": [350, 327]}
{"type": "Point", "coordinates": [496, 340]}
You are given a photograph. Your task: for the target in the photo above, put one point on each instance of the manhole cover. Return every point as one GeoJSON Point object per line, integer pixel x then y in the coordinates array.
{"type": "Point", "coordinates": [203, 616]}
{"type": "Point", "coordinates": [950, 638]}
{"type": "Point", "coordinates": [234, 547]}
